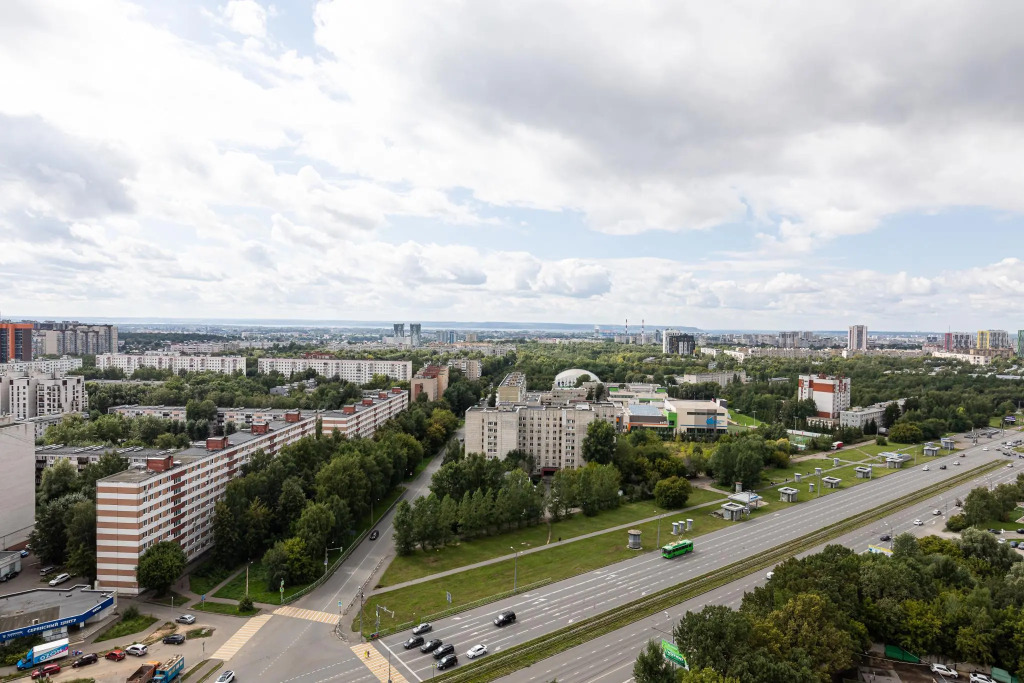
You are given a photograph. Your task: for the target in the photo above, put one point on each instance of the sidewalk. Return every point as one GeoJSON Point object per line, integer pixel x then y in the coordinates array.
{"type": "Point", "coordinates": [529, 551]}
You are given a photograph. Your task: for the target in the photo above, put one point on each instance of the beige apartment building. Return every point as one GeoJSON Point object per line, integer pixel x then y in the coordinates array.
{"type": "Point", "coordinates": [357, 371]}
{"type": "Point", "coordinates": [129, 363]}
{"type": "Point", "coordinates": [552, 434]}
{"type": "Point", "coordinates": [469, 367]}
{"type": "Point", "coordinates": [431, 380]}
{"type": "Point", "coordinates": [28, 395]}
{"type": "Point", "coordinates": [512, 389]}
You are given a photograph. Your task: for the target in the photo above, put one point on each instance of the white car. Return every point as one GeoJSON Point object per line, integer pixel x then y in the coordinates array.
{"type": "Point", "coordinates": [769, 575]}
{"type": "Point", "coordinates": [925, 468]}
{"type": "Point", "coordinates": [138, 649]}
{"type": "Point", "coordinates": [944, 670]}
{"type": "Point", "coordinates": [59, 579]}
{"type": "Point", "coordinates": [477, 651]}
{"type": "Point", "coordinates": [186, 619]}
{"type": "Point", "coordinates": [936, 512]}
{"type": "Point", "coordinates": [918, 522]}
{"type": "Point", "coordinates": [985, 448]}
{"type": "Point", "coordinates": [226, 677]}
{"type": "Point", "coordinates": [978, 677]}
{"type": "Point", "coordinates": [957, 463]}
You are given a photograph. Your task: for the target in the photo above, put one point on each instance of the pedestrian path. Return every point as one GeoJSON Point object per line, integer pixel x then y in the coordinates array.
{"type": "Point", "coordinates": [377, 664]}
{"type": "Point", "coordinates": [241, 637]}
{"type": "Point", "coordinates": [307, 614]}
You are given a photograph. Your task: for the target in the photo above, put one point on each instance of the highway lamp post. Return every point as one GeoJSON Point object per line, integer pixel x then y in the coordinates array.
{"type": "Point", "coordinates": [890, 534]}
{"type": "Point", "coordinates": [658, 542]}
{"type": "Point", "coordinates": [247, 576]}
{"type": "Point", "coordinates": [326, 550]}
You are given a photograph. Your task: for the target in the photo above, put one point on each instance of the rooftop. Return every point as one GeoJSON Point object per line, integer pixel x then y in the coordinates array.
{"type": "Point", "coordinates": [513, 379]}
{"type": "Point", "coordinates": [644, 409]}
{"type": "Point", "coordinates": [46, 604]}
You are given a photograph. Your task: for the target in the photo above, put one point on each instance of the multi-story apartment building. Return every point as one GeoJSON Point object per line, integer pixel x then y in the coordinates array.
{"type": "Point", "coordinates": [723, 378]}
{"type": "Point", "coordinates": [993, 339]}
{"type": "Point", "coordinates": [512, 389]}
{"type": "Point", "coordinates": [670, 340]}
{"type": "Point", "coordinates": [861, 417]}
{"type": "Point", "coordinates": [1020, 343]}
{"type": "Point", "coordinates": [357, 371]}
{"type": "Point", "coordinates": [553, 435]}
{"type": "Point", "coordinates": [129, 363]}
{"type": "Point", "coordinates": [17, 485]}
{"type": "Point", "coordinates": [172, 497]}
{"type": "Point", "coordinates": [164, 412]}
{"type": "Point", "coordinates": [957, 341]}
{"type": "Point", "coordinates": [61, 365]}
{"type": "Point", "coordinates": [73, 337]}
{"type": "Point", "coordinates": [364, 418]}
{"type": "Point", "coordinates": [857, 338]}
{"type": "Point", "coordinates": [831, 395]}
{"type": "Point", "coordinates": [15, 341]}
{"type": "Point", "coordinates": [471, 368]}
{"type": "Point", "coordinates": [28, 395]}
{"type": "Point", "coordinates": [431, 380]}
{"type": "Point", "coordinates": [974, 357]}
{"type": "Point", "coordinates": [789, 340]}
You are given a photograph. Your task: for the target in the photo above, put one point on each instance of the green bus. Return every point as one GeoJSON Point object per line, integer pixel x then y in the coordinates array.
{"type": "Point", "coordinates": [677, 548]}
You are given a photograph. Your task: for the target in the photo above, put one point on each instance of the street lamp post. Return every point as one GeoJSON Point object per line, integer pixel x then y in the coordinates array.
{"type": "Point", "coordinates": [890, 534]}
{"type": "Point", "coordinates": [515, 569]}
{"type": "Point", "coordinates": [247, 577]}
{"type": "Point", "coordinates": [326, 549]}
{"type": "Point", "coordinates": [658, 543]}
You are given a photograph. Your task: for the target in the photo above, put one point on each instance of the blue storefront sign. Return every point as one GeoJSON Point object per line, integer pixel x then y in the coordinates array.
{"type": "Point", "coordinates": [57, 623]}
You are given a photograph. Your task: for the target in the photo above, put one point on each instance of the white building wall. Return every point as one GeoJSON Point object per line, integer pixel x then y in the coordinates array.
{"type": "Point", "coordinates": [18, 483]}
{"type": "Point", "coordinates": [357, 371]}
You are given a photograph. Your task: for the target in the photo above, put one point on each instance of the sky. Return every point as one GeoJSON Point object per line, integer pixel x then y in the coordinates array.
{"type": "Point", "coordinates": [718, 165]}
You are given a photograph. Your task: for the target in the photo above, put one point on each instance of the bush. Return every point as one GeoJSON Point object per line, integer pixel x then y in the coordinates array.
{"type": "Point", "coordinates": [956, 523]}
{"type": "Point", "coordinates": [131, 612]}
{"type": "Point", "coordinates": [881, 440]}
{"type": "Point", "coordinates": [245, 604]}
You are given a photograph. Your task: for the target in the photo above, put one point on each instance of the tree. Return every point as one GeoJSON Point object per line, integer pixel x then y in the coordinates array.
{"type": "Point", "coordinates": [315, 526]}
{"type": "Point", "coordinates": [713, 637]}
{"type": "Point", "coordinates": [599, 443]}
{"type": "Point", "coordinates": [58, 480]}
{"type": "Point", "coordinates": [447, 519]}
{"type": "Point", "coordinates": [80, 521]}
{"type": "Point", "coordinates": [290, 503]}
{"type": "Point", "coordinates": [672, 493]}
{"type": "Point", "coordinates": [50, 536]}
{"type": "Point", "coordinates": [404, 525]}
{"type": "Point", "coordinates": [652, 667]}
{"type": "Point", "coordinates": [891, 414]}
{"type": "Point", "coordinates": [906, 432]}
{"type": "Point", "coordinates": [289, 560]}
{"type": "Point", "coordinates": [807, 623]}
{"type": "Point", "coordinates": [706, 676]}
{"type": "Point", "coordinates": [227, 535]}
{"type": "Point", "coordinates": [160, 566]}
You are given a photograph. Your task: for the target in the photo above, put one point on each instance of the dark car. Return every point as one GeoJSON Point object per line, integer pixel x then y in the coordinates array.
{"type": "Point", "coordinates": [85, 660]}
{"type": "Point", "coordinates": [374, 535]}
{"type": "Point", "coordinates": [431, 645]}
{"type": "Point", "coordinates": [415, 641]}
{"type": "Point", "coordinates": [1020, 531]}
{"type": "Point", "coordinates": [174, 639]}
{"type": "Point", "coordinates": [885, 537]}
{"type": "Point", "coordinates": [993, 531]}
{"type": "Point", "coordinates": [444, 651]}
{"type": "Point", "coordinates": [425, 627]}
{"type": "Point", "coordinates": [447, 662]}
{"type": "Point", "coordinates": [942, 467]}
{"type": "Point", "coordinates": [505, 618]}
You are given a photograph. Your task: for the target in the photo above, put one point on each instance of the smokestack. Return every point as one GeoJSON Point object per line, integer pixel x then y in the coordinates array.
{"type": "Point", "coordinates": [627, 327]}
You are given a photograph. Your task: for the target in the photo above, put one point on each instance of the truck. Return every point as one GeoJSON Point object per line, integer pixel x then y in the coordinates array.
{"type": "Point", "coordinates": [41, 654]}
{"type": "Point", "coordinates": [169, 670]}
{"type": "Point", "coordinates": [836, 445]}
{"type": "Point", "coordinates": [144, 674]}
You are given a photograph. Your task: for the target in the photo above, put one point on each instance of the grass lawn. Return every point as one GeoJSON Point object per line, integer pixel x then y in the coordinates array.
{"type": "Point", "coordinates": [420, 564]}
{"type": "Point", "coordinates": [127, 627]}
{"type": "Point", "coordinates": [802, 467]}
{"type": "Point", "coordinates": [846, 474]}
{"type": "Point", "coordinates": [222, 608]}
{"type": "Point", "coordinates": [194, 633]}
{"type": "Point", "coordinates": [172, 599]}
{"type": "Point", "coordinates": [745, 420]}
{"type": "Point", "coordinates": [557, 562]}
{"type": "Point", "coordinates": [206, 576]}
{"type": "Point", "coordinates": [258, 590]}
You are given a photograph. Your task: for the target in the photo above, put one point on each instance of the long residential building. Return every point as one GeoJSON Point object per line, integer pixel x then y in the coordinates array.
{"type": "Point", "coordinates": [553, 435]}
{"type": "Point", "coordinates": [357, 371]}
{"type": "Point", "coordinates": [993, 339]}
{"type": "Point", "coordinates": [722, 378]}
{"type": "Point", "coordinates": [73, 337]}
{"type": "Point", "coordinates": [17, 485]}
{"type": "Point", "coordinates": [63, 365]}
{"type": "Point", "coordinates": [129, 363]}
{"type": "Point", "coordinates": [26, 395]}
{"type": "Point", "coordinates": [861, 417]}
{"type": "Point", "coordinates": [171, 497]}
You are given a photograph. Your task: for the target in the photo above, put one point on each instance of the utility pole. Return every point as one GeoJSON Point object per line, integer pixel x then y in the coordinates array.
{"type": "Point", "coordinates": [658, 543]}
{"type": "Point", "coordinates": [362, 614]}
{"type": "Point", "coordinates": [382, 608]}
{"type": "Point", "coordinates": [515, 569]}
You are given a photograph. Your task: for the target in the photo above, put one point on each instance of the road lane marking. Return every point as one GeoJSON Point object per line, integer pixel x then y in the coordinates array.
{"type": "Point", "coordinates": [377, 664]}
{"type": "Point", "coordinates": [307, 614]}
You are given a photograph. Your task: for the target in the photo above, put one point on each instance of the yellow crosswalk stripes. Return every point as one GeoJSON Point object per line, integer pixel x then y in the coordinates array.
{"type": "Point", "coordinates": [377, 664]}
{"type": "Point", "coordinates": [241, 637]}
{"type": "Point", "coordinates": [307, 614]}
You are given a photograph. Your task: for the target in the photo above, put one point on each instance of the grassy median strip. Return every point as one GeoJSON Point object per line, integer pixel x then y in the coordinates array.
{"type": "Point", "coordinates": [523, 655]}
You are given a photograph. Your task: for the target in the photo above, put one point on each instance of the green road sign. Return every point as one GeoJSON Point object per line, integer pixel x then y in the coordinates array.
{"type": "Point", "coordinates": [673, 655]}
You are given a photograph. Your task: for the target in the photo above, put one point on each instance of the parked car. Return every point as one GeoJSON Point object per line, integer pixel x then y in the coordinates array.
{"type": "Point", "coordinates": [444, 651]}
{"type": "Point", "coordinates": [1001, 541]}
{"type": "Point", "coordinates": [374, 535]}
{"type": "Point", "coordinates": [447, 662]}
{"type": "Point", "coordinates": [85, 660]}
{"type": "Point", "coordinates": [918, 522]}
{"type": "Point", "coordinates": [430, 645]}
{"type": "Point", "coordinates": [186, 619]}
{"type": "Point", "coordinates": [59, 579]}
{"type": "Point", "coordinates": [48, 670]}
{"type": "Point", "coordinates": [505, 618]}
{"type": "Point", "coordinates": [415, 641]}
{"type": "Point", "coordinates": [1020, 531]}
{"type": "Point", "coordinates": [226, 677]}
{"type": "Point", "coordinates": [477, 651]}
{"type": "Point", "coordinates": [978, 677]}
{"type": "Point", "coordinates": [1014, 544]}
{"type": "Point", "coordinates": [115, 655]}
{"type": "Point", "coordinates": [769, 575]}
{"type": "Point", "coordinates": [137, 650]}
{"type": "Point", "coordinates": [944, 670]}
{"type": "Point", "coordinates": [425, 627]}
{"type": "Point", "coordinates": [24, 553]}
{"type": "Point", "coordinates": [46, 570]}
{"type": "Point", "coordinates": [174, 639]}
{"type": "Point", "coordinates": [925, 468]}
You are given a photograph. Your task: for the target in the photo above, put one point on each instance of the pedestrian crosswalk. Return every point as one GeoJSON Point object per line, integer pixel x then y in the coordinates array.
{"type": "Point", "coordinates": [241, 637]}
{"type": "Point", "coordinates": [378, 664]}
{"type": "Point", "coordinates": [307, 614]}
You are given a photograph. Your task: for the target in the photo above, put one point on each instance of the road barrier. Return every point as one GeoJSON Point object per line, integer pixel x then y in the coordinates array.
{"type": "Point", "coordinates": [523, 655]}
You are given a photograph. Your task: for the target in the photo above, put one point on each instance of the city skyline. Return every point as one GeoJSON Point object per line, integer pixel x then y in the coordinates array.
{"type": "Point", "coordinates": [332, 161]}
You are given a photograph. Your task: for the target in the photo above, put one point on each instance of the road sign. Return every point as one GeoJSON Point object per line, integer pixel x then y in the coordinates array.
{"type": "Point", "coordinates": [673, 654]}
{"type": "Point", "coordinates": [448, 596]}
{"type": "Point", "coordinates": [202, 598]}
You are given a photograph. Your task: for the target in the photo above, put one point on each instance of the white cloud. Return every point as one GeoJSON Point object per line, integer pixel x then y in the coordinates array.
{"type": "Point", "coordinates": [246, 17]}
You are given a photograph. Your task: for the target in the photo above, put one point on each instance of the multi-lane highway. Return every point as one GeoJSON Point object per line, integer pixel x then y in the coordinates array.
{"type": "Point", "coordinates": [560, 604]}
{"type": "Point", "coordinates": [609, 658]}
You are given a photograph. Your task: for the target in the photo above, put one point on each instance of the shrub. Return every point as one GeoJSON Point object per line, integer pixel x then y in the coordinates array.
{"type": "Point", "coordinates": [956, 523]}
{"type": "Point", "coordinates": [881, 440]}
{"type": "Point", "coordinates": [245, 604]}
{"type": "Point", "coordinates": [131, 612]}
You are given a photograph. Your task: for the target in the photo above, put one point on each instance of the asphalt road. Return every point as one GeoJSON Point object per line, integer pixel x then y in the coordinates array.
{"type": "Point", "coordinates": [560, 604]}
{"type": "Point", "coordinates": [292, 649]}
{"type": "Point", "coordinates": [609, 659]}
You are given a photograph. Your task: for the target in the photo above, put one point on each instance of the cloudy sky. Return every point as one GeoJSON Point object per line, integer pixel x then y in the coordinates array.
{"type": "Point", "coordinates": [783, 165]}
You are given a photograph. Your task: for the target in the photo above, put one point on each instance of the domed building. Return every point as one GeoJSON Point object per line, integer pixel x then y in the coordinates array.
{"type": "Point", "coordinates": [568, 378]}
